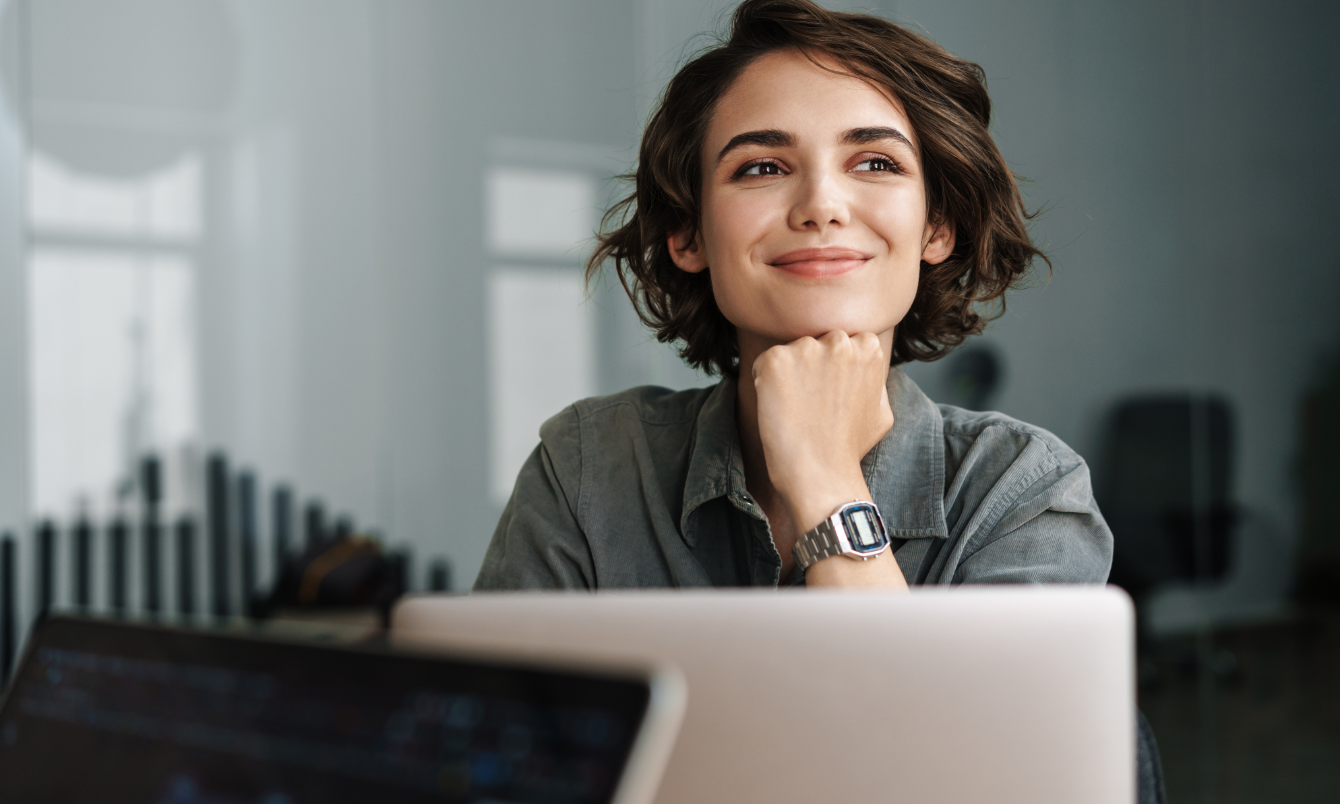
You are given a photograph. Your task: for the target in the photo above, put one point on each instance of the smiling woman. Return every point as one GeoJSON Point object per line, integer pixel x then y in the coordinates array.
{"type": "Point", "coordinates": [817, 200]}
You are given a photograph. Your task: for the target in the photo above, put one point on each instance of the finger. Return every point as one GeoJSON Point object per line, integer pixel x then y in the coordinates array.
{"type": "Point", "coordinates": [866, 341]}
{"type": "Point", "coordinates": [833, 338]}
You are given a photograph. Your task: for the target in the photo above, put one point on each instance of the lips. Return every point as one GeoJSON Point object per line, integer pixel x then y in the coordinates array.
{"type": "Point", "coordinates": [820, 263]}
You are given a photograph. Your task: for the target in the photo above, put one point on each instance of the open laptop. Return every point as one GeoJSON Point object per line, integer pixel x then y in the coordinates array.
{"type": "Point", "coordinates": [1022, 694]}
{"type": "Point", "coordinates": [107, 712]}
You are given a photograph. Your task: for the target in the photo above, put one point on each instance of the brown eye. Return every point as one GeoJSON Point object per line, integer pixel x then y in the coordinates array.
{"type": "Point", "coordinates": [878, 164]}
{"type": "Point", "coordinates": [762, 169]}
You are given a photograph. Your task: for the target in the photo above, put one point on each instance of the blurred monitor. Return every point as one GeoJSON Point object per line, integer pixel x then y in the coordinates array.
{"type": "Point", "coordinates": [1007, 694]}
{"type": "Point", "coordinates": [108, 712]}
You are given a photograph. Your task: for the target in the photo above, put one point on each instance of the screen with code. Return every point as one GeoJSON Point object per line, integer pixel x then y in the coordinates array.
{"type": "Point", "coordinates": [113, 712]}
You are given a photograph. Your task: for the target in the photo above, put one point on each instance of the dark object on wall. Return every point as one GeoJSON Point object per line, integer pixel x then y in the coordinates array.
{"type": "Point", "coordinates": [246, 524]}
{"type": "Point", "coordinates": [118, 538]}
{"type": "Point", "coordinates": [9, 612]}
{"type": "Point", "coordinates": [1167, 491]}
{"type": "Point", "coordinates": [973, 375]}
{"type": "Point", "coordinates": [350, 572]}
{"type": "Point", "coordinates": [439, 576]}
{"type": "Point", "coordinates": [46, 567]}
{"type": "Point", "coordinates": [1319, 484]}
{"type": "Point", "coordinates": [83, 563]}
{"type": "Point", "coordinates": [151, 530]}
{"type": "Point", "coordinates": [217, 478]}
{"type": "Point", "coordinates": [185, 529]}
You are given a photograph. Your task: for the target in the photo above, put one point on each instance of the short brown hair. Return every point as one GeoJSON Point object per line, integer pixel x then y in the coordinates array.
{"type": "Point", "coordinates": [968, 184]}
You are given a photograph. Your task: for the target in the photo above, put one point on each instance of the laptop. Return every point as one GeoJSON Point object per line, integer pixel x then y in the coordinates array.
{"type": "Point", "coordinates": [115, 712]}
{"type": "Point", "coordinates": [970, 694]}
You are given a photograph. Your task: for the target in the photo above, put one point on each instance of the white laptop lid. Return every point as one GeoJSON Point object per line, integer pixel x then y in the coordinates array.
{"type": "Point", "coordinates": [1000, 694]}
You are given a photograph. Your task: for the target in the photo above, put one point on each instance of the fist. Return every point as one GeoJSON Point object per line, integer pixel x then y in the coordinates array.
{"type": "Point", "coordinates": [822, 405]}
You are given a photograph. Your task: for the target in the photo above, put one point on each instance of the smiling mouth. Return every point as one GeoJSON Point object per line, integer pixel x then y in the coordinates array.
{"type": "Point", "coordinates": [820, 263]}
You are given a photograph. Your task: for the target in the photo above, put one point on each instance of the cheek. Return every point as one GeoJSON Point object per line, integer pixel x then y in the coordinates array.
{"type": "Point", "coordinates": [899, 219]}
{"type": "Point", "coordinates": [732, 228]}
{"type": "Point", "coordinates": [734, 223]}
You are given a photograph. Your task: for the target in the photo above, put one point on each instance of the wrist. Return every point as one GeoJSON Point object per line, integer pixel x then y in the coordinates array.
{"type": "Point", "coordinates": [816, 499]}
{"type": "Point", "coordinates": [880, 572]}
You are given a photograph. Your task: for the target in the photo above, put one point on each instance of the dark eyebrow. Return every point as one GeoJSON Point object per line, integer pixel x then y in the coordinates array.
{"type": "Point", "coordinates": [865, 136]}
{"type": "Point", "coordinates": [770, 137]}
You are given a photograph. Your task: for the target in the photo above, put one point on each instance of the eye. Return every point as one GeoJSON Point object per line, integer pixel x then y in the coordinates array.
{"type": "Point", "coordinates": [877, 164]}
{"type": "Point", "coordinates": [763, 168]}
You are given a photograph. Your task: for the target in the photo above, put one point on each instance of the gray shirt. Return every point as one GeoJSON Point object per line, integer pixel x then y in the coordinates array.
{"type": "Point", "coordinates": [646, 488]}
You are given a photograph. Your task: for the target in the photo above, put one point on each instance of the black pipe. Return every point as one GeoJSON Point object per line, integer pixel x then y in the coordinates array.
{"type": "Point", "coordinates": [217, 472]}
{"type": "Point", "coordinates": [316, 523]}
{"type": "Point", "coordinates": [119, 539]}
{"type": "Point", "coordinates": [83, 563]}
{"type": "Point", "coordinates": [9, 614]}
{"type": "Point", "coordinates": [185, 566]}
{"type": "Point", "coordinates": [151, 534]}
{"type": "Point", "coordinates": [397, 562]}
{"type": "Point", "coordinates": [343, 529]}
{"type": "Point", "coordinates": [246, 520]}
{"type": "Point", "coordinates": [439, 576]}
{"type": "Point", "coordinates": [46, 567]}
{"type": "Point", "coordinates": [283, 526]}
{"type": "Point", "coordinates": [406, 570]}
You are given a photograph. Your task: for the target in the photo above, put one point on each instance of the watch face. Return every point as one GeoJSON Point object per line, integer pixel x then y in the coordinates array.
{"type": "Point", "coordinates": [864, 530]}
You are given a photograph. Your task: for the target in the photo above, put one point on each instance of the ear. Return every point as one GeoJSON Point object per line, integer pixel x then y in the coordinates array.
{"type": "Point", "coordinates": [687, 253]}
{"type": "Point", "coordinates": [939, 242]}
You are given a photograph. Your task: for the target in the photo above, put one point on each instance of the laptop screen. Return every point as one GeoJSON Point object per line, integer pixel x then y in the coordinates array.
{"type": "Point", "coordinates": [113, 712]}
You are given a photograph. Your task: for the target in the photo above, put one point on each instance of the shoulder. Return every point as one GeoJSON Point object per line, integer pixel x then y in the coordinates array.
{"type": "Point", "coordinates": [602, 433]}
{"type": "Point", "coordinates": [1020, 504]}
{"type": "Point", "coordinates": [645, 405]}
{"type": "Point", "coordinates": [1006, 439]}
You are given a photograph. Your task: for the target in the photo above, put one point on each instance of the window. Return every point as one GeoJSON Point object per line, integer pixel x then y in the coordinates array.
{"type": "Point", "coordinates": [112, 326]}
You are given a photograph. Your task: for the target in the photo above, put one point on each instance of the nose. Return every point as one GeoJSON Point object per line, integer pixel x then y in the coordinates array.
{"type": "Point", "coordinates": [820, 204]}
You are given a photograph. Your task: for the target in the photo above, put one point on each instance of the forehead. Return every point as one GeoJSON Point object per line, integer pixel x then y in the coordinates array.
{"type": "Point", "coordinates": [788, 91]}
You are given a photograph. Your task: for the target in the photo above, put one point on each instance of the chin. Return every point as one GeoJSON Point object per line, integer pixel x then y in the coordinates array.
{"type": "Point", "coordinates": [817, 326]}
{"type": "Point", "coordinates": [814, 320]}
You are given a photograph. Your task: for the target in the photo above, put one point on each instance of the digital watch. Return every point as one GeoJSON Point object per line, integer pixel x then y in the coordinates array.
{"type": "Point", "coordinates": [856, 531]}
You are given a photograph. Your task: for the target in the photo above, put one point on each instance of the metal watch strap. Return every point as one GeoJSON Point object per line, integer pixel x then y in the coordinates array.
{"type": "Point", "coordinates": [818, 543]}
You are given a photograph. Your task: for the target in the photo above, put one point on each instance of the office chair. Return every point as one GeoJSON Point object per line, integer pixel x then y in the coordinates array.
{"type": "Point", "coordinates": [1167, 494]}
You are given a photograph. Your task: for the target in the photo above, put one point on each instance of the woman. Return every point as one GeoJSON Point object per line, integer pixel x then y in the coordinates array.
{"type": "Point", "coordinates": [817, 200]}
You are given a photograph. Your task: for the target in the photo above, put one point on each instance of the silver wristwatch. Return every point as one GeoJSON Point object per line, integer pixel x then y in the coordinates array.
{"type": "Point", "coordinates": [856, 531]}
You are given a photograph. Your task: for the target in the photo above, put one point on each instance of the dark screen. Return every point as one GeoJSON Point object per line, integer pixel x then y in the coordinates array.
{"type": "Point", "coordinates": [113, 712]}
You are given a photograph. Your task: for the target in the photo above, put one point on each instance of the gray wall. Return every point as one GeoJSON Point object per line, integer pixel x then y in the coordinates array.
{"type": "Point", "coordinates": [1177, 148]}
{"type": "Point", "coordinates": [1180, 152]}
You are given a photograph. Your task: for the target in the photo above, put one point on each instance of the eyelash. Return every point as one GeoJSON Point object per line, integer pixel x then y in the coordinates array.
{"type": "Point", "coordinates": [748, 166]}
{"type": "Point", "coordinates": [893, 166]}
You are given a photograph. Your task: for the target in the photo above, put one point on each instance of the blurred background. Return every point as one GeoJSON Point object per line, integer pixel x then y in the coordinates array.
{"type": "Point", "coordinates": [336, 246]}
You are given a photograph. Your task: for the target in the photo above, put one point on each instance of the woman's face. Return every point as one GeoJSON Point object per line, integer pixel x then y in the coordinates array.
{"type": "Point", "coordinates": [813, 206]}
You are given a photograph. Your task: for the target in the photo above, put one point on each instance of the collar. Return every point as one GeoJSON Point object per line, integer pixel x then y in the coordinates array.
{"type": "Point", "coordinates": [905, 470]}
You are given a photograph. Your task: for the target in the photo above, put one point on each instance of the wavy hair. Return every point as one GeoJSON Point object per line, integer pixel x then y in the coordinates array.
{"type": "Point", "coordinates": [968, 185]}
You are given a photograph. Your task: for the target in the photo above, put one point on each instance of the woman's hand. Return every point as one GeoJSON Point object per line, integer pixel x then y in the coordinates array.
{"type": "Point", "coordinates": [822, 405]}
